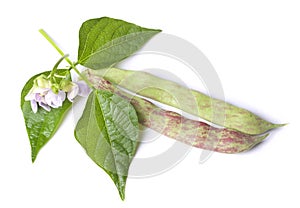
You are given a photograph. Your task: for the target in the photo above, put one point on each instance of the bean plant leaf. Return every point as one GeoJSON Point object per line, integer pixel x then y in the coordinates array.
{"type": "Point", "coordinates": [42, 125]}
{"type": "Point", "coordinates": [108, 131]}
{"type": "Point", "coordinates": [105, 41]}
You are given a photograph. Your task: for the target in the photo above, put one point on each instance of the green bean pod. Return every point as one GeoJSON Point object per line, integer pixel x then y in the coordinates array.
{"type": "Point", "coordinates": [173, 125]}
{"type": "Point", "coordinates": [188, 100]}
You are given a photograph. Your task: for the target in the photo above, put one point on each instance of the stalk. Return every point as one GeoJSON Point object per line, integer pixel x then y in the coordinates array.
{"type": "Point", "coordinates": [72, 65]}
{"type": "Point", "coordinates": [190, 101]}
{"type": "Point", "coordinates": [173, 125]}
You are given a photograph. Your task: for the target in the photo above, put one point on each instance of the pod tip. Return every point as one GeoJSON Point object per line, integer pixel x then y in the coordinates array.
{"type": "Point", "coordinates": [280, 125]}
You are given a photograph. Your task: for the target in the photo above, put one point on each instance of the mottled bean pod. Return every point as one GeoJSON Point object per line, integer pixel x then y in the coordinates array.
{"type": "Point", "coordinates": [188, 100]}
{"type": "Point", "coordinates": [173, 125]}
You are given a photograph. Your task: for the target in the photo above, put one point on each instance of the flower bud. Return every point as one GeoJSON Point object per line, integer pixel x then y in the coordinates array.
{"type": "Point", "coordinates": [55, 88]}
{"type": "Point", "coordinates": [42, 82]}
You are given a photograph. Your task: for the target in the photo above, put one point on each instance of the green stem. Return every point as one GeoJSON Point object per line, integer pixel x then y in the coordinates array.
{"type": "Point", "coordinates": [56, 66]}
{"type": "Point", "coordinates": [73, 66]}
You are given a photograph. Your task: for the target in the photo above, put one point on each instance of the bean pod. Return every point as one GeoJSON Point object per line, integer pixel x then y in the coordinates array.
{"type": "Point", "coordinates": [173, 125]}
{"type": "Point", "coordinates": [190, 101]}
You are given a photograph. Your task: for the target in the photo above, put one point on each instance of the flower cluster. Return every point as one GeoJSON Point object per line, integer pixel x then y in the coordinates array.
{"type": "Point", "coordinates": [49, 95]}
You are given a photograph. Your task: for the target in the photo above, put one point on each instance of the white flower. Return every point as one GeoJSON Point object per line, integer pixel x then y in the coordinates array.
{"type": "Point", "coordinates": [72, 92]}
{"type": "Point", "coordinates": [78, 88]}
{"type": "Point", "coordinates": [41, 94]}
{"type": "Point", "coordinates": [55, 100]}
{"type": "Point", "coordinates": [37, 96]}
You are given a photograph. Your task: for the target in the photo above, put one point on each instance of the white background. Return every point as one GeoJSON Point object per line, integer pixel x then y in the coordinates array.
{"type": "Point", "coordinates": [255, 49]}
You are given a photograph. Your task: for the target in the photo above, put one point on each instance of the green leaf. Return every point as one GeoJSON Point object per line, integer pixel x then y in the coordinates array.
{"type": "Point", "coordinates": [41, 126]}
{"type": "Point", "coordinates": [104, 42]}
{"type": "Point", "coordinates": [108, 131]}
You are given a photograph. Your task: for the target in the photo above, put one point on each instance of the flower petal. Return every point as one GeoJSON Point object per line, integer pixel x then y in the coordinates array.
{"type": "Point", "coordinates": [34, 106]}
{"type": "Point", "coordinates": [30, 95]}
{"type": "Point", "coordinates": [45, 106]}
{"type": "Point", "coordinates": [84, 89]}
{"type": "Point", "coordinates": [73, 92]}
{"type": "Point", "coordinates": [55, 100]}
{"type": "Point", "coordinates": [61, 97]}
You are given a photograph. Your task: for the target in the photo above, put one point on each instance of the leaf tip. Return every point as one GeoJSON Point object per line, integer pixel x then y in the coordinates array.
{"type": "Point", "coordinates": [122, 192]}
{"type": "Point", "coordinates": [122, 196]}
{"type": "Point", "coordinates": [33, 158]}
{"type": "Point", "coordinates": [121, 188]}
